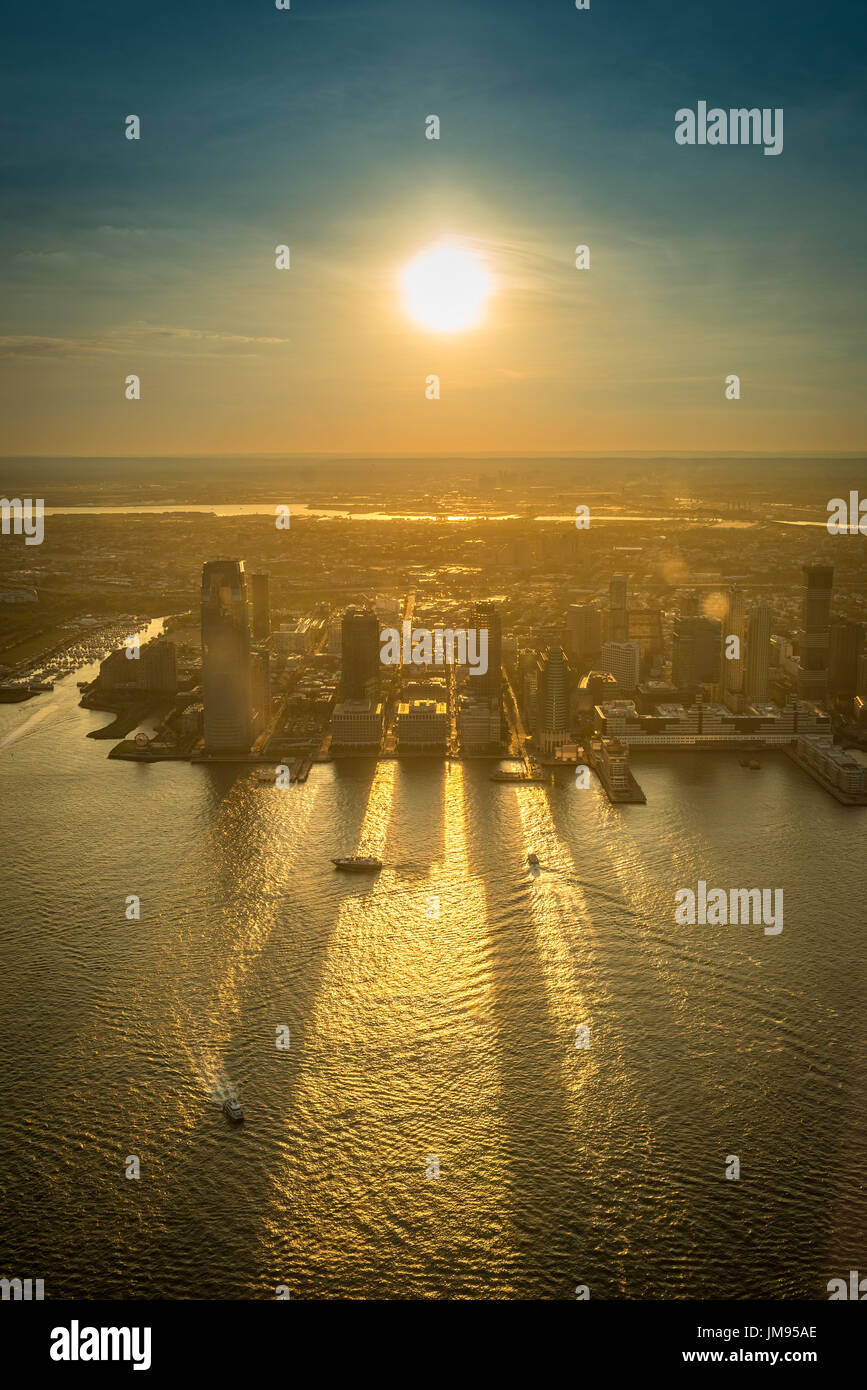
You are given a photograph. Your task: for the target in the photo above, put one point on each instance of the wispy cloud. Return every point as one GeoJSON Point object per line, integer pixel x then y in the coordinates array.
{"type": "Point", "coordinates": [30, 347]}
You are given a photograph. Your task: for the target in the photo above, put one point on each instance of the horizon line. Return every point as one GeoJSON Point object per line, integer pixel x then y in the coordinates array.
{"type": "Point", "coordinates": [490, 454]}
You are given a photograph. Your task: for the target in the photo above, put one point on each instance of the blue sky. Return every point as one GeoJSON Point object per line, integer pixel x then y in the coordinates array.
{"type": "Point", "coordinates": [307, 127]}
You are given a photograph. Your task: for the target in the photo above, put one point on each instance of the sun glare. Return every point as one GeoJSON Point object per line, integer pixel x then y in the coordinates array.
{"type": "Point", "coordinates": [445, 289]}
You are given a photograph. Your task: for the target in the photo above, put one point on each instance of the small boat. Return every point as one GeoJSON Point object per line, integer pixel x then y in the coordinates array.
{"type": "Point", "coordinates": [533, 860]}
{"type": "Point", "coordinates": [232, 1110]}
{"type": "Point", "coordinates": [358, 863]}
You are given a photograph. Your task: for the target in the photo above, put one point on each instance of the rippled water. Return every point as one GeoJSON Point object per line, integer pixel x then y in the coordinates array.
{"type": "Point", "coordinates": [416, 1036]}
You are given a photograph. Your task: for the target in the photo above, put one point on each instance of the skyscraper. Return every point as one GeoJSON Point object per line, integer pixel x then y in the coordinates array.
{"type": "Point", "coordinates": [260, 592]}
{"type": "Point", "coordinates": [260, 678]}
{"type": "Point", "coordinates": [360, 654]}
{"type": "Point", "coordinates": [552, 700]}
{"type": "Point", "coordinates": [486, 617]}
{"type": "Point", "coordinates": [645, 628]}
{"type": "Point", "coordinates": [846, 646]}
{"type": "Point", "coordinates": [815, 634]}
{"type": "Point", "coordinates": [584, 633]}
{"type": "Point", "coordinates": [732, 667]}
{"type": "Point", "coordinates": [696, 651]}
{"type": "Point", "coordinates": [621, 660]}
{"type": "Point", "coordinates": [758, 662]}
{"type": "Point", "coordinates": [618, 617]}
{"type": "Point", "coordinates": [226, 684]}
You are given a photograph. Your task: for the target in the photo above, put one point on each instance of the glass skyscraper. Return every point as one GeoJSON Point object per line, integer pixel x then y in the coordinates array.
{"type": "Point", "coordinates": [226, 673]}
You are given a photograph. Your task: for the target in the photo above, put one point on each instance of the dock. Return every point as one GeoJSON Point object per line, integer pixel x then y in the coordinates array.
{"type": "Point", "coordinates": [625, 791]}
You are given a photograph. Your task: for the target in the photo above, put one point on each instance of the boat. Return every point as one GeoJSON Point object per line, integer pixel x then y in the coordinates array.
{"type": "Point", "coordinates": [358, 863]}
{"type": "Point", "coordinates": [232, 1110]}
{"type": "Point", "coordinates": [533, 860]}
{"type": "Point", "coordinates": [267, 775]}
{"type": "Point", "coordinates": [507, 775]}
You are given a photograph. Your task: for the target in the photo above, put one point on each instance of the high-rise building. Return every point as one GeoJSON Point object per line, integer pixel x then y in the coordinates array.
{"type": "Point", "coordinates": [360, 658]}
{"type": "Point", "coordinates": [645, 628]}
{"type": "Point", "coordinates": [584, 633]}
{"type": "Point", "coordinates": [260, 593]}
{"type": "Point", "coordinates": [861, 686]}
{"type": "Point", "coordinates": [622, 660]}
{"type": "Point", "coordinates": [846, 646]}
{"type": "Point", "coordinates": [486, 617]}
{"type": "Point", "coordinates": [815, 634]}
{"type": "Point", "coordinates": [732, 667]}
{"type": "Point", "coordinates": [618, 616]}
{"type": "Point", "coordinates": [260, 678]}
{"type": "Point", "coordinates": [152, 667]}
{"type": "Point", "coordinates": [335, 636]}
{"type": "Point", "coordinates": [758, 659]}
{"type": "Point", "coordinates": [552, 700]}
{"type": "Point", "coordinates": [226, 675]}
{"type": "Point", "coordinates": [696, 652]}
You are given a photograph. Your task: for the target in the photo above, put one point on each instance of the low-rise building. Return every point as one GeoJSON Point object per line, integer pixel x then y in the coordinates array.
{"type": "Point", "coordinates": [479, 725]}
{"type": "Point", "coordinates": [422, 726]}
{"type": "Point", "coordinates": [834, 764]}
{"type": "Point", "coordinates": [710, 725]}
{"type": "Point", "coordinates": [356, 724]}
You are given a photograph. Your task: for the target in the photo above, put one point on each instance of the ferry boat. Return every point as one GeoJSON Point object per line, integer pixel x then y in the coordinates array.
{"type": "Point", "coordinates": [232, 1110]}
{"type": "Point", "coordinates": [358, 863]}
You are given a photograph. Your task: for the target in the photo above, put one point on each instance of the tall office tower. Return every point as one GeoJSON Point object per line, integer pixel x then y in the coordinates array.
{"type": "Point", "coordinates": [621, 660]}
{"type": "Point", "coordinates": [486, 617]}
{"type": "Point", "coordinates": [226, 688]}
{"type": "Point", "coordinates": [758, 663]}
{"type": "Point", "coordinates": [335, 636]}
{"type": "Point", "coordinates": [359, 643]}
{"type": "Point", "coordinates": [584, 633]}
{"type": "Point", "coordinates": [618, 616]}
{"type": "Point", "coordinates": [646, 628]}
{"type": "Point", "coordinates": [159, 665]}
{"type": "Point", "coordinates": [815, 634]}
{"type": "Point", "coordinates": [260, 687]}
{"type": "Point", "coordinates": [552, 700]}
{"type": "Point", "coordinates": [846, 646]}
{"type": "Point", "coordinates": [861, 686]}
{"type": "Point", "coordinates": [696, 651]}
{"type": "Point", "coordinates": [732, 667]}
{"type": "Point", "coordinates": [260, 593]}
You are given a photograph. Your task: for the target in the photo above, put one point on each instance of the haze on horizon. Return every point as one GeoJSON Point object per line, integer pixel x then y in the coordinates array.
{"type": "Point", "coordinates": [307, 127]}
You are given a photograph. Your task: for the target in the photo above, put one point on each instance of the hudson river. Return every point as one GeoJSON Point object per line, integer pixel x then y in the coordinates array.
{"type": "Point", "coordinates": [431, 1015]}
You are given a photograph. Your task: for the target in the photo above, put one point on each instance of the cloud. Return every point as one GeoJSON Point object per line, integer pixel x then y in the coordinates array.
{"type": "Point", "coordinates": [31, 347]}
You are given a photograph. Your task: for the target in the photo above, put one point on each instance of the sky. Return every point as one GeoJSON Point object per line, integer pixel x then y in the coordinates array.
{"type": "Point", "coordinates": [306, 128]}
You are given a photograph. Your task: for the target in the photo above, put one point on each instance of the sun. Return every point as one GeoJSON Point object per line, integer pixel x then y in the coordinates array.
{"type": "Point", "coordinates": [445, 289]}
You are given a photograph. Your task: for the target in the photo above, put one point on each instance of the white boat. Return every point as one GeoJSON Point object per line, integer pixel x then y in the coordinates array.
{"type": "Point", "coordinates": [232, 1110]}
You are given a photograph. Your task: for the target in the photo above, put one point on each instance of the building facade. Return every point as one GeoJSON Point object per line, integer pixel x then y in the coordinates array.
{"type": "Point", "coordinates": [710, 725]}
{"type": "Point", "coordinates": [360, 658]}
{"type": "Point", "coordinates": [622, 661]}
{"type": "Point", "coordinates": [815, 634]}
{"type": "Point", "coordinates": [226, 672]}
